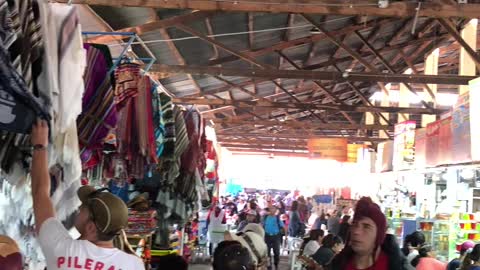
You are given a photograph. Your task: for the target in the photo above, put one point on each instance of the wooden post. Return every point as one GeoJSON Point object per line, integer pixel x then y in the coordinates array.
{"type": "Point", "coordinates": [431, 68]}
{"type": "Point", "coordinates": [467, 64]}
{"type": "Point", "coordinates": [403, 101]}
{"type": "Point", "coordinates": [385, 102]}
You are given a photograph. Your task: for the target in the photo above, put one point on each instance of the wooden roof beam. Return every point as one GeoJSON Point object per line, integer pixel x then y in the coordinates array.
{"type": "Point", "coordinates": [447, 24]}
{"type": "Point", "coordinates": [365, 7]}
{"type": "Point", "coordinates": [162, 70]}
{"type": "Point", "coordinates": [265, 146]}
{"type": "Point", "coordinates": [385, 62]}
{"type": "Point", "coordinates": [223, 135]}
{"type": "Point", "coordinates": [153, 26]}
{"type": "Point", "coordinates": [309, 124]}
{"type": "Point", "coordinates": [301, 41]}
{"type": "Point", "coordinates": [305, 106]}
{"type": "Point", "coordinates": [247, 58]}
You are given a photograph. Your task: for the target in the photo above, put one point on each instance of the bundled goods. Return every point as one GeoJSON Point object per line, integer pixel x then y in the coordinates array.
{"type": "Point", "coordinates": [141, 222]}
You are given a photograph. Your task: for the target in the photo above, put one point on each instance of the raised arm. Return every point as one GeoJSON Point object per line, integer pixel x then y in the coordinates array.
{"type": "Point", "coordinates": [42, 204]}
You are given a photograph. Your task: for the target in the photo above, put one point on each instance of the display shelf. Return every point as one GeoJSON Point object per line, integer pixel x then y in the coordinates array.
{"type": "Point", "coordinates": [468, 221]}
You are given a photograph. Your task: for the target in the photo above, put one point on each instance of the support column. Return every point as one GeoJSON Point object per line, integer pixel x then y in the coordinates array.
{"type": "Point", "coordinates": [369, 120]}
{"type": "Point", "coordinates": [385, 103]}
{"type": "Point", "coordinates": [403, 101]}
{"type": "Point", "coordinates": [431, 68]}
{"type": "Point", "coordinates": [467, 65]}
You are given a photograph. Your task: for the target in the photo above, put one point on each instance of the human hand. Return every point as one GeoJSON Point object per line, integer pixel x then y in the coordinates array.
{"type": "Point", "coordinates": [40, 133]}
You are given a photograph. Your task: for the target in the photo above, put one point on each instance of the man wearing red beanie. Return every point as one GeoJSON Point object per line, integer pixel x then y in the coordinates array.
{"type": "Point", "coordinates": [368, 247]}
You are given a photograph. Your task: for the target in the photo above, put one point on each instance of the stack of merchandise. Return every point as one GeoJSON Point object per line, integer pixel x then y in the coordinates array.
{"type": "Point", "coordinates": [141, 222]}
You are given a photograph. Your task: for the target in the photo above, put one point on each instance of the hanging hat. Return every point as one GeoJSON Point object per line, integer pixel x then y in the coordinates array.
{"type": "Point", "coordinates": [140, 202]}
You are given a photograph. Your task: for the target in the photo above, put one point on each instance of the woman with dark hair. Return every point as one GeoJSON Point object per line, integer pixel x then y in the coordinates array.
{"type": "Point", "coordinates": [472, 260]}
{"type": "Point", "coordinates": [412, 244]}
{"type": "Point", "coordinates": [321, 220]}
{"type": "Point", "coordinates": [426, 260]}
{"type": "Point", "coordinates": [311, 244]}
{"type": "Point", "coordinates": [344, 227]}
{"type": "Point", "coordinates": [295, 225]}
{"type": "Point", "coordinates": [331, 245]}
{"type": "Point", "coordinates": [231, 255]}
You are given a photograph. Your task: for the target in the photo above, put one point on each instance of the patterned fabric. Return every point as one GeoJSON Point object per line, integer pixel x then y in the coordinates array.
{"type": "Point", "coordinates": [158, 121]}
{"type": "Point", "coordinates": [99, 114]}
{"type": "Point", "coordinates": [25, 45]}
{"type": "Point", "coordinates": [127, 76]}
{"type": "Point", "coordinates": [135, 129]}
{"type": "Point", "coordinates": [169, 126]}
{"type": "Point", "coordinates": [19, 54]}
{"type": "Point", "coordinates": [144, 114]}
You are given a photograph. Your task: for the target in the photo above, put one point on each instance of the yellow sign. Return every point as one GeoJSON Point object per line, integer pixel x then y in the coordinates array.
{"type": "Point", "coordinates": [353, 152]}
{"type": "Point", "coordinates": [328, 148]}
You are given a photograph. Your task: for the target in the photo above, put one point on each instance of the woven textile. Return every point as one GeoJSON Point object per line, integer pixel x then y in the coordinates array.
{"type": "Point", "coordinates": [99, 114]}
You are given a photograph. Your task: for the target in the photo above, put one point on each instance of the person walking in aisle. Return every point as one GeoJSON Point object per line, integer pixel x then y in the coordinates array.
{"type": "Point", "coordinates": [464, 249]}
{"type": "Point", "coordinates": [216, 226]}
{"type": "Point", "coordinates": [368, 246]}
{"type": "Point", "coordinates": [274, 229]}
{"type": "Point", "coordinates": [472, 259]}
{"type": "Point", "coordinates": [296, 228]}
{"type": "Point", "coordinates": [101, 218]}
{"type": "Point", "coordinates": [425, 260]}
{"type": "Point", "coordinates": [321, 220]}
{"type": "Point", "coordinates": [412, 244]}
{"type": "Point", "coordinates": [333, 223]}
{"type": "Point", "coordinates": [251, 217]}
{"type": "Point", "coordinates": [344, 227]}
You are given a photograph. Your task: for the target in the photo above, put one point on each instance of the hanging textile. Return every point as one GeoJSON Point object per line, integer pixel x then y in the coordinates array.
{"type": "Point", "coordinates": [134, 134]}
{"type": "Point", "coordinates": [158, 121]}
{"type": "Point", "coordinates": [19, 55]}
{"type": "Point", "coordinates": [169, 125]}
{"type": "Point", "coordinates": [41, 69]}
{"type": "Point", "coordinates": [99, 115]}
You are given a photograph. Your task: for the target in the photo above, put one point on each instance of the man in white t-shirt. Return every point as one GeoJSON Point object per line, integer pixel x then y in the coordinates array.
{"type": "Point", "coordinates": [102, 216]}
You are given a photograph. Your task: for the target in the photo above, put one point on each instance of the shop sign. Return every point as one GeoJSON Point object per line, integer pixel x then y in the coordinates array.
{"type": "Point", "coordinates": [328, 148]}
{"type": "Point", "coordinates": [475, 118]}
{"type": "Point", "coordinates": [461, 136]}
{"type": "Point", "coordinates": [404, 145]}
{"type": "Point", "coordinates": [433, 143]}
{"type": "Point", "coordinates": [420, 148]}
{"type": "Point", "coordinates": [345, 202]}
{"type": "Point", "coordinates": [384, 157]}
{"type": "Point", "coordinates": [445, 141]}
{"type": "Point", "coordinates": [352, 155]}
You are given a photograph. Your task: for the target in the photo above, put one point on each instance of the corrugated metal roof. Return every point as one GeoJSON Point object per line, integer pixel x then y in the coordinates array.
{"type": "Point", "coordinates": [235, 25]}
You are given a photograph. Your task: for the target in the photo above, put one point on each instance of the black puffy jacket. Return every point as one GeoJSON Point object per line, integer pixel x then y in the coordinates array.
{"type": "Point", "coordinates": [396, 259]}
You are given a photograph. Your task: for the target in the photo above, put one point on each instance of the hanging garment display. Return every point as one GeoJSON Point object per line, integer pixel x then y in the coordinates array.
{"type": "Point", "coordinates": [42, 63]}
{"type": "Point", "coordinates": [158, 121]}
{"type": "Point", "coordinates": [99, 115]}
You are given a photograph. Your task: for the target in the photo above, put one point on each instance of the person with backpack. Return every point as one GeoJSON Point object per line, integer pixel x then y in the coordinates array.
{"type": "Point", "coordinates": [274, 230]}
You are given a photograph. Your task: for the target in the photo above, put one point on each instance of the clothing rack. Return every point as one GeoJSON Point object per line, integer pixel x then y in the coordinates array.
{"type": "Point", "coordinates": [151, 60]}
{"type": "Point", "coordinates": [132, 37]}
